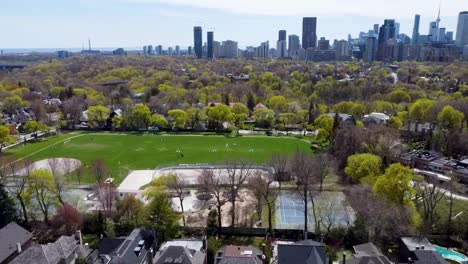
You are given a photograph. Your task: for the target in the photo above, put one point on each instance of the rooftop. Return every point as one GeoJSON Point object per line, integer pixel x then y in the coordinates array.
{"type": "Point", "coordinates": [10, 235]}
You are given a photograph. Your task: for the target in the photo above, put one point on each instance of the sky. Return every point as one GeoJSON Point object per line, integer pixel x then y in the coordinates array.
{"type": "Point", "coordinates": [134, 23]}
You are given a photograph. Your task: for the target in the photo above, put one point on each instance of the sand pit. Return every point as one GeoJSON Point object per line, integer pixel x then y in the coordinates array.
{"type": "Point", "coordinates": [60, 166]}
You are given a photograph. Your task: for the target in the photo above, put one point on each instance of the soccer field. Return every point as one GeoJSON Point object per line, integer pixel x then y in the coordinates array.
{"type": "Point", "coordinates": [124, 152]}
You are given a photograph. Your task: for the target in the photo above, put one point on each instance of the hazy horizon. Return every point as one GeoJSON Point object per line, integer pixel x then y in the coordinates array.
{"type": "Point", "coordinates": [55, 24]}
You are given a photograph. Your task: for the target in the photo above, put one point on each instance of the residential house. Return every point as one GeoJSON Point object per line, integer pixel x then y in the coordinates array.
{"type": "Point", "coordinates": [63, 251]}
{"type": "Point", "coordinates": [305, 251]}
{"type": "Point", "coordinates": [239, 255]}
{"type": "Point", "coordinates": [367, 253]}
{"type": "Point", "coordinates": [13, 239]}
{"type": "Point", "coordinates": [418, 251]}
{"type": "Point", "coordinates": [376, 118]}
{"type": "Point", "coordinates": [136, 248]}
{"type": "Point", "coordinates": [186, 251]}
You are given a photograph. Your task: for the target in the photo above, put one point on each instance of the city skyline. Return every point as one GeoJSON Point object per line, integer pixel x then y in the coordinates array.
{"type": "Point", "coordinates": [27, 29]}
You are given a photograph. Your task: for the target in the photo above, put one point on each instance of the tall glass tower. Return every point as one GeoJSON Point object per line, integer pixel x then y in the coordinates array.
{"type": "Point", "coordinates": [198, 42]}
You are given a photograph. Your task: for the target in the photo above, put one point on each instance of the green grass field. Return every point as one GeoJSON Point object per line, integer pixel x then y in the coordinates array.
{"type": "Point", "coordinates": [147, 151]}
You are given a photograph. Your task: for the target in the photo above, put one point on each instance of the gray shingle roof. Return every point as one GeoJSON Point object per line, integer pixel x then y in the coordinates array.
{"type": "Point", "coordinates": [10, 235]}
{"type": "Point", "coordinates": [51, 253]}
{"type": "Point", "coordinates": [306, 251]}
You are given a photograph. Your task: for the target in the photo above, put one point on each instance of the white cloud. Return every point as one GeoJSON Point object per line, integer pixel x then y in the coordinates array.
{"type": "Point", "coordinates": [377, 8]}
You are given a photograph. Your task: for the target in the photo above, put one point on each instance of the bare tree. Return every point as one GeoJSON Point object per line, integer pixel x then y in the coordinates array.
{"type": "Point", "coordinates": [279, 163]}
{"type": "Point", "coordinates": [18, 179]}
{"type": "Point", "coordinates": [99, 170]}
{"type": "Point", "coordinates": [212, 184]}
{"type": "Point", "coordinates": [67, 165]}
{"type": "Point", "coordinates": [107, 194]}
{"type": "Point", "coordinates": [303, 168]}
{"type": "Point", "coordinates": [324, 167]}
{"type": "Point", "coordinates": [328, 212]}
{"type": "Point", "coordinates": [262, 184]}
{"type": "Point", "coordinates": [384, 220]}
{"type": "Point", "coordinates": [177, 186]}
{"type": "Point", "coordinates": [238, 172]}
{"type": "Point", "coordinates": [78, 170]}
{"type": "Point", "coordinates": [59, 181]}
{"type": "Point", "coordinates": [429, 194]}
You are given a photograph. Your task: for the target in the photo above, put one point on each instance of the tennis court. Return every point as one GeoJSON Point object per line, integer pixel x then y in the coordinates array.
{"type": "Point", "coordinates": [330, 208]}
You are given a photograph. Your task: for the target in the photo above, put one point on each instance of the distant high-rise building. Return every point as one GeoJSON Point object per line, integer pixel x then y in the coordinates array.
{"type": "Point", "coordinates": [309, 32]}
{"type": "Point", "coordinates": [160, 50]}
{"type": "Point", "coordinates": [294, 45]}
{"type": "Point", "coordinates": [177, 50]}
{"type": "Point", "coordinates": [189, 50]}
{"type": "Point", "coordinates": [323, 44]}
{"type": "Point", "coordinates": [263, 51]}
{"type": "Point", "coordinates": [150, 49]}
{"type": "Point", "coordinates": [370, 49]}
{"type": "Point", "coordinates": [216, 49]}
{"type": "Point", "coordinates": [62, 54]}
{"type": "Point", "coordinates": [282, 35]}
{"type": "Point", "coordinates": [462, 30]}
{"type": "Point", "coordinates": [386, 32]}
{"type": "Point", "coordinates": [441, 35]}
{"type": "Point", "coordinates": [376, 28]}
{"type": "Point", "coordinates": [170, 51]}
{"type": "Point", "coordinates": [281, 49]}
{"type": "Point", "coordinates": [229, 49]}
{"type": "Point", "coordinates": [433, 31]}
{"type": "Point", "coordinates": [145, 50]}
{"type": "Point", "coordinates": [449, 36]}
{"type": "Point", "coordinates": [342, 50]}
{"type": "Point", "coordinates": [198, 42]}
{"type": "Point", "coordinates": [397, 28]}
{"type": "Point", "coordinates": [414, 39]}
{"type": "Point", "coordinates": [209, 45]}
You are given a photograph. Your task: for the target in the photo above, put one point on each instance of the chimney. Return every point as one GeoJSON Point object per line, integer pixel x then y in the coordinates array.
{"type": "Point", "coordinates": [344, 257]}
{"type": "Point", "coordinates": [79, 237]}
{"type": "Point", "coordinates": [18, 248]}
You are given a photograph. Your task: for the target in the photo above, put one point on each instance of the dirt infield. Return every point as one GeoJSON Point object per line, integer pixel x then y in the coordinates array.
{"type": "Point", "coordinates": [60, 166]}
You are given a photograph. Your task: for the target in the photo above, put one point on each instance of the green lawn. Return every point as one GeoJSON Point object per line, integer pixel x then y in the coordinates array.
{"type": "Point", "coordinates": [147, 151]}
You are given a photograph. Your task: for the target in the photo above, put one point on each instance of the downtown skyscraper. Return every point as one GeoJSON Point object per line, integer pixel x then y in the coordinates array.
{"type": "Point", "coordinates": [198, 42]}
{"type": "Point", "coordinates": [462, 30]}
{"type": "Point", "coordinates": [209, 44]}
{"type": "Point", "coordinates": [415, 37]}
{"type": "Point", "coordinates": [309, 32]}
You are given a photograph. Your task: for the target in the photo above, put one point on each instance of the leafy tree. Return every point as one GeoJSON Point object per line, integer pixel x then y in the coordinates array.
{"type": "Point", "coordinates": [250, 101]}
{"type": "Point", "coordinates": [130, 211]}
{"type": "Point", "coordinates": [141, 115]}
{"type": "Point", "coordinates": [450, 118]}
{"type": "Point", "coordinates": [218, 114]}
{"type": "Point", "coordinates": [395, 184]}
{"type": "Point", "coordinates": [117, 122]}
{"type": "Point", "coordinates": [278, 103]}
{"type": "Point", "coordinates": [195, 117]}
{"type": "Point", "coordinates": [419, 110]}
{"type": "Point", "coordinates": [159, 121]}
{"type": "Point", "coordinates": [363, 167]}
{"type": "Point", "coordinates": [41, 189]}
{"type": "Point", "coordinates": [8, 211]}
{"type": "Point", "coordinates": [325, 122]}
{"type": "Point", "coordinates": [287, 120]}
{"type": "Point", "coordinates": [159, 212]}
{"type": "Point", "coordinates": [34, 127]}
{"type": "Point", "coordinates": [264, 117]}
{"type": "Point", "coordinates": [5, 137]}
{"type": "Point", "coordinates": [97, 116]}
{"type": "Point", "coordinates": [239, 113]}
{"type": "Point", "coordinates": [395, 122]}
{"type": "Point", "coordinates": [13, 104]}
{"type": "Point", "coordinates": [178, 117]}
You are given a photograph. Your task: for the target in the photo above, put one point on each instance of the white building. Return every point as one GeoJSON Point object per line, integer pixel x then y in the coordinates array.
{"type": "Point", "coordinates": [229, 49]}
